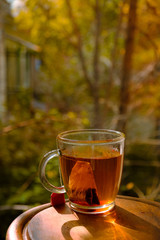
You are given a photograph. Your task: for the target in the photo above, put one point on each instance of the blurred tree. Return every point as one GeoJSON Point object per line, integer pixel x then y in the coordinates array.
{"type": "Point", "coordinates": [83, 47]}
{"type": "Point", "coordinates": [76, 40]}
{"type": "Point", "coordinates": [92, 80]}
{"type": "Point", "coordinates": [127, 67]}
{"type": "Point", "coordinates": [145, 78]}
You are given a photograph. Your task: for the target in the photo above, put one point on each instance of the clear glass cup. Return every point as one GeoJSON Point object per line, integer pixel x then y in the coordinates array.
{"type": "Point", "coordinates": [91, 162]}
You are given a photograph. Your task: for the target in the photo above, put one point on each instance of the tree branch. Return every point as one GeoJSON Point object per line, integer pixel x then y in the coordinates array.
{"type": "Point", "coordinates": [97, 121]}
{"type": "Point", "coordinates": [24, 123]}
{"type": "Point", "coordinates": [127, 66]}
{"type": "Point", "coordinates": [114, 51]}
{"type": "Point", "coordinates": [152, 42]}
{"type": "Point", "coordinates": [97, 43]}
{"type": "Point", "coordinates": [77, 33]}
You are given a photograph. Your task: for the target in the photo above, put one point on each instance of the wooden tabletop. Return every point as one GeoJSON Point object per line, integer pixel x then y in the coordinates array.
{"type": "Point", "coordinates": [132, 219]}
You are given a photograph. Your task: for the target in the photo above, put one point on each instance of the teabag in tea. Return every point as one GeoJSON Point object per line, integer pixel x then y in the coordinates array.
{"type": "Point", "coordinates": [82, 186]}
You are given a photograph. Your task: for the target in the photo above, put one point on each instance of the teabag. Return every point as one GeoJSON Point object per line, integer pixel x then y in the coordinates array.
{"type": "Point", "coordinates": [82, 186]}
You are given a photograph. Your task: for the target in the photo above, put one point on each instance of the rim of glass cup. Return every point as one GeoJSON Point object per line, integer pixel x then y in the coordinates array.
{"type": "Point", "coordinates": [119, 137]}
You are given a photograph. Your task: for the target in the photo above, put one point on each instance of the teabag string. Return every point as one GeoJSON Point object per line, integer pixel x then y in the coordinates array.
{"type": "Point", "coordinates": [82, 186]}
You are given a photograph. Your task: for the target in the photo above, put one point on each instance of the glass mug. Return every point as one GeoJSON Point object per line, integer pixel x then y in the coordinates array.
{"type": "Point", "coordinates": [91, 163]}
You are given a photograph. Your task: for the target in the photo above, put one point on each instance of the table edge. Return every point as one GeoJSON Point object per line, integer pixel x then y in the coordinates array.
{"type": "Point", "coordinates": [15, 229]}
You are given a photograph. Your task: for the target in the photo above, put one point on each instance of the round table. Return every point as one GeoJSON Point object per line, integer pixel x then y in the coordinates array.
{"type": "Point", "coordinates": [132, 219]}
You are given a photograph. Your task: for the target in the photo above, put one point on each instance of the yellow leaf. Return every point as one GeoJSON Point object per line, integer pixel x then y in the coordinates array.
{"type": "Point", "coordinates": [130, 185]}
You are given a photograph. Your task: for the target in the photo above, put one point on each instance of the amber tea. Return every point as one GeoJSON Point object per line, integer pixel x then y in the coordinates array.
{"type": "Point", "coordinates": [92, 181]}
{"type": "Point", "coordinates": [91, 163]}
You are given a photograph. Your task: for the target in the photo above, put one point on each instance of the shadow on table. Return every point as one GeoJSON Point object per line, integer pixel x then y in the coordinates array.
{"type": "Point", "coordinates": [119, 225]}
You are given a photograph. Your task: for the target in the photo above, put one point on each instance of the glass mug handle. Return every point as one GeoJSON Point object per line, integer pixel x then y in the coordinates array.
{"type": "Point", "coordinates": [42, 175]}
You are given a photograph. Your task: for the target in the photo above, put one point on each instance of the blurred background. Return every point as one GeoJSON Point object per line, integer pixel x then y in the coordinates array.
{"type": "Point", "coordinates": [68, 64]}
